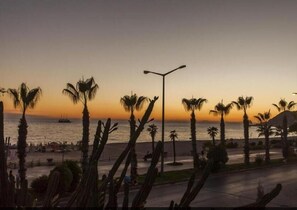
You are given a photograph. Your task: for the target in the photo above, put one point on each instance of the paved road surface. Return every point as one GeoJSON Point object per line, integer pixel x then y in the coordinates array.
{"type": "Point", "coordinates": [231, 190]}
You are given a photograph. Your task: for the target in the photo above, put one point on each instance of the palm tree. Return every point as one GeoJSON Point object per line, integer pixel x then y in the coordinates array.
{"type": "Point", "coordinates": [265, 130]}
{"type": "Point", "coordinates": [283, 106]}
{"type": "Point", "coordinates": [222, 110]}
{"type": "Point", "coordinates": [212, 132]}
{"type": "Point", "coordinates": [192, 105]}
{"type": "Point", "coordinates": [173, 136]}
{"type": "Point", "coordinates": [84, 91]}
{"type": "Point", "coordinates": [23, 98]}
{"type": "Point", "coordinates": [131, 103]}
{"type": "Point", "coordinates": [243, 104]}
{"type": "Point", "coordinates": [152, 129]}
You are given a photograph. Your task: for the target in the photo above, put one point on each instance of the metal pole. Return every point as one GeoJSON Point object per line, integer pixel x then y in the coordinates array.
{"type": "Point", "coordinates": [163, 125]}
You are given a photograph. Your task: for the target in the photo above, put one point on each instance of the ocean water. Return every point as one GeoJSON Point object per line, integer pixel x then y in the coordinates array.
{"type": "Point", "coordinates": [44, 130]}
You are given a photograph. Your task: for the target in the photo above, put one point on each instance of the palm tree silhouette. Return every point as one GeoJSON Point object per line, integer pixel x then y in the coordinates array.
{"type": "Point", "coordinates": [152, 129]}
{"type": "Point", "coordinates": [243, 104]}
{"type": "Point", "coordinates": [173, 136]}
{"type": "Point", "coordinates": [192, 105]}
{"type": "Point", "coordinates": [222, 110]}
{"type": "Point", "coordinates": [212, 132]}
{"type": "Point", "coordinates": [131, 103]}
{"type": "Point", "coordinates": [84, 91]}
{"type": "Point", "coordinates": [23, 98]}
{"type": "Point", "coordinates": [265, 130]}
{"type": "Point", "coordinates": [284, 106]}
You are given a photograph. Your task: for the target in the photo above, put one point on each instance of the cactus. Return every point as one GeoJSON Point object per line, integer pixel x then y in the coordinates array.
{"type": "Point", "coordinates": [126, 196]}
{"type": "Point", "coordinates": [262, 202]}
{"type": "Point", "coordinates": [51, 190]}
{"type": "Point", "coordinates": [146, 187]}
{"type": "Point", "coordinates": [199, 185]}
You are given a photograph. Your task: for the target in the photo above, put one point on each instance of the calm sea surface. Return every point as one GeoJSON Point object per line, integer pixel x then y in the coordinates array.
{"type": "Point", "coordinates": [44, 130]}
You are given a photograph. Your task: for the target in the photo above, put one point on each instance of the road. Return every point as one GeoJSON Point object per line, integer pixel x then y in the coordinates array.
{"type": "Point", "coordinates": [231, 190]}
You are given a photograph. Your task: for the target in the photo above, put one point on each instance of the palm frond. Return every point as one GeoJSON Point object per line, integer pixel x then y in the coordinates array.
{"type": "Point", "coordinates": [236, 104]}
{"type": "Point", "coordinates": [214, 112]}
{"type": "Point", "coordinates": [126, 103]}
{"type": "Point", "coordinates": [72, 95]}
{"type": "Point", "coordinates": [187, 104]}
{"type": "Point", "coordinates": [33, 97]}
{"type": "Point", "coordinates": [249, 100]}
{"type": "Point", "coordinates": [14, 94]}
{"type": "Point", "coordinates": [92, 92]}
{"type": "Point", "coordinates": [140, 102]}
{"type": "Point", "coordinates": [291, 105]}
{"type": "Point", "coordinates": [258, 118]}
{"type": "Point", "coordinates": [23, 90]}
{"type": "Point", "coordinates": [199, 103]}
{"type": "Point", "coordinates": [277, 107]}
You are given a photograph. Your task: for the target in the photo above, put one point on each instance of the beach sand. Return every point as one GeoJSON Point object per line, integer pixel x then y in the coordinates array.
{"type": "Point", "coordinates": [113, 150]}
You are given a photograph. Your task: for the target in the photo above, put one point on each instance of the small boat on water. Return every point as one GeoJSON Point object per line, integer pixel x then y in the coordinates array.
{"type": "Point", "coordinates": [64, 120]}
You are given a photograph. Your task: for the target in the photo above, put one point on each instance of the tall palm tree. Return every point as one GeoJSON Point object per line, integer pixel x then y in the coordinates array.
{"type": "Point", "coordinates": [25, 99]}
{"type": "Point", "coordinates": [283, 106]}
{"type": "Point", "coordinates": [212, 132]}
{"type": "Point", "coordinates": [152, 129]}
{"type": "Point", "coordinates": [191, 105]}
{"type": "Point", "coordinates": [222, 110]}
{"type": "Point", "coordinates": [173, 136]}
{"type": "Point", "coordinates": [265, 130]}
{"type": "Point", "coordinates": [130, 104]}
{"type": "Point", "coordinates": [84, 91]}
{"type": "Point", "coordinates": [243, 104]}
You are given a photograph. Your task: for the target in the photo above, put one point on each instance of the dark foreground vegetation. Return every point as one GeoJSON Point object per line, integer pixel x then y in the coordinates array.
{"type": "Point", "coordinates": [88, 190]}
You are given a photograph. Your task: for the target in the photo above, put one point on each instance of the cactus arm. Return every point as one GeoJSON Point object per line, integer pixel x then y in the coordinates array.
{"type": "Point", "coordinates": [150, 177]}
{"type": "Point", "coordinates": [52, 187]}
{"type": "Point", "coordinates": [198, 186]}
{"type": "Point", "coordinates": [189, 187]}
{"type": "Point", "coordinates": [265, 199]}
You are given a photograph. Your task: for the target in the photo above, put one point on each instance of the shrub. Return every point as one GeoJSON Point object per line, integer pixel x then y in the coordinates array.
{"type": "Point", "coordinates": [232, 144]}
{"type": "Point", "coordinates": [220, 156]}
{"type": "Point", "coordinates": [253, 144]}
{"type": "Point", "coordinates": [39, 184]}
{"type": "Point", "coordinates": [76, 173]}
{"type": "Point", "coordinates": [259, 159]}
{"type": "Point", "coordinates": [207, 145]}
{"type": "Point", "coordinates": [65, 178]}
{"type": "Point", "coordinates": [260, 143]}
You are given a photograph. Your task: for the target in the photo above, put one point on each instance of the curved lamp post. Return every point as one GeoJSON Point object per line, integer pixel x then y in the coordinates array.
{"type": "Point", "coordinates": [163, 104]}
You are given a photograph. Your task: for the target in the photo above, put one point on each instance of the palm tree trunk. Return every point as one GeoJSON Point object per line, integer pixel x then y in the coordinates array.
{"type": "Point", "coordinates": [85, 139]}
{"type": "Point", "coordinates": [174, 155]}
{"type": "Point", "coordinates": [193, 137]}
{"type": "Point", "coordinates": [222, 130]}
{"type": "Point", "coordinates": [246, 140]}
{"type": "Point", "coordinates": [285, 133]}
{"type": "Point", "coordinates": [267, 155]}
{"type": "Point", "coordinates": [21, 148]}
{"type": "Point", "coordinates": [213, 141]}
{"type": "Point", "coordinates": [133, 169]}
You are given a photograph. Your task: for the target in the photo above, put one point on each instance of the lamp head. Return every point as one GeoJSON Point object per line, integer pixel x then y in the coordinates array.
{"type": "Point", "coordinates": [183, 66]}
{"type": "Point", "coordinates": [146, 72]}
{"type": "Point", "coordinates": [294, 93]}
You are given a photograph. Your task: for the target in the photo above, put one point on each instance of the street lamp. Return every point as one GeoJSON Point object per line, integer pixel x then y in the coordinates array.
{"type": "Point", "coordinates": [163, 105]}
{"type": "Point", "coordinates": [294, 93]}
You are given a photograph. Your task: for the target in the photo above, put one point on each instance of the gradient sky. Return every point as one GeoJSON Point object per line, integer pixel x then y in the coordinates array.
{"type": "Point", "coordinates": [231, 48]}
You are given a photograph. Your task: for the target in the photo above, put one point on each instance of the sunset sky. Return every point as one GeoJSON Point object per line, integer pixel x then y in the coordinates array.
{"type": "Point", "coordinates": [231, 48]}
